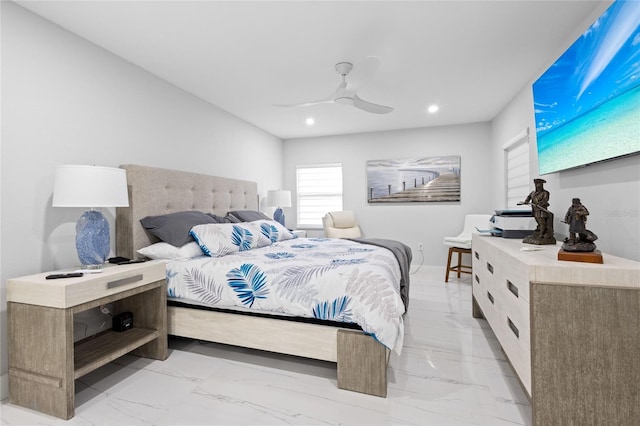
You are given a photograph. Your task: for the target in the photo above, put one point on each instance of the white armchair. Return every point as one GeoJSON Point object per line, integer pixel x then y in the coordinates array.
{"type": "Point", "coordinates": [341, 224]}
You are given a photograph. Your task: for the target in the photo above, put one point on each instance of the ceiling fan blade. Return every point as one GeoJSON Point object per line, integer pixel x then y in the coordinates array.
{"type": "Point", "coordinates": [305, 104]}
{"type": "Point", "coordinates": [370, 107]}
{"type": "Point", "coordinates": [329, 99]}
{"type": "Point", "coordinates": [362, 72]}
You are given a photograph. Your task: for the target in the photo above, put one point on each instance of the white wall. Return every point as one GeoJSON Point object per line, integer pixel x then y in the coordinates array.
{"type": "Point", "coordinates": [67, 101]}
{"type": "Point", "coordinates": [411, 223]}
{"type": "Point", "coordinates": [610, 190]}
{"type": "Point", "coordinates": [3, 312]}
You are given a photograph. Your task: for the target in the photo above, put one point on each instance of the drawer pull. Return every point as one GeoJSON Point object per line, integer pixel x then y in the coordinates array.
{"type": "Point", "coordinates": [490, 297]}
{"type": "Point", "coordinates": [124, 281]}
{"type": "Point", "coordinates": [513, 327]}
{"type": "Point", "coordinates": [476, 278]}
{"type": "Point", "coordinates": [477, 255]}
{"type": "Point", "coordinates": [512, 288]}
{"type": "Point", "coordinates": [490, 267]}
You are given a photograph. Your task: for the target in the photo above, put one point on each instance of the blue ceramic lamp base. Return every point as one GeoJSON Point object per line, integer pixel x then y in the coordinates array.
{"type": "Point", "coordinates": [278, 216]}
{"type": "Point", "coordinates": [92, 239]}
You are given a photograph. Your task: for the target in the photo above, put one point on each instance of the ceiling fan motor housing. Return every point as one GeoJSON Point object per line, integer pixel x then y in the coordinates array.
{"type": "Point", "coordinates": [344, 68]}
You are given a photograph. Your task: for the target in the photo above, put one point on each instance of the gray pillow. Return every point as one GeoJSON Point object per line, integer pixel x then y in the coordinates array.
{"type": "Point", "coordinates": [219, 219]}
{"type": "Point", "coordinates": [247, 215]}
{"type": "Point", "coordinates": [173, 228]}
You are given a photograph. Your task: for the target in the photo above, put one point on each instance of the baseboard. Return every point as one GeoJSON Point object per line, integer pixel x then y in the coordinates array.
{"type": "Point", "coordinates": [4, 386]}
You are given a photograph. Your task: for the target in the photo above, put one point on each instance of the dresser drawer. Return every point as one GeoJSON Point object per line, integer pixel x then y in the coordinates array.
{"type": "Point", "coordinates": [519, 275]}
{"type": "Point", "coordinates": [490, 305]}
{"type": "Point", "coordinates": [516, 342]}
{"type": "Point", "coordinates": [482, 284]}
{"type": "Point", "coordinates": [514, 305]}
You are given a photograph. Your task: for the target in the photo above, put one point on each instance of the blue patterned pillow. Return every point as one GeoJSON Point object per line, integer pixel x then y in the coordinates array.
{"type": "Point", "coordinates": [220, 239]}
{"type": "Point", "coordinates": [273, 230]}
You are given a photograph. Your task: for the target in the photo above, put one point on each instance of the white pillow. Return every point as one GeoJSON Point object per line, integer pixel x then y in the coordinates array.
{"type": "Point", "coordinates": [273, 230]}
{"type": "Point", "coordinates": [164, 250]}
{"type": "Point", "coordinates": [220, 239]}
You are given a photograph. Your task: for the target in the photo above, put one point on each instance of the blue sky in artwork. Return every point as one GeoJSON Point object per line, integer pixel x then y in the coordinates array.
{"type": "Point", "coordinates": [603, 63]}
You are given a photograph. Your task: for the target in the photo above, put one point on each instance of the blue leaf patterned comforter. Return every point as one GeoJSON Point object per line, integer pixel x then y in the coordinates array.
{"type": "Point", "coordinates": [329, 279]}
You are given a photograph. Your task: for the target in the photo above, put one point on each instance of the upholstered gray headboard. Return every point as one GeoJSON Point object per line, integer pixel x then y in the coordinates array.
{"type": "Point", "coordinates": [154, 191]}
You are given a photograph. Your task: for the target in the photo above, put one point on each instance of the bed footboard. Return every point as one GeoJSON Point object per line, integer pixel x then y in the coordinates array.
{"type": "Point", "coordinates": [362, 361]}
{"type": "Point", "coordinates": [274, 335]}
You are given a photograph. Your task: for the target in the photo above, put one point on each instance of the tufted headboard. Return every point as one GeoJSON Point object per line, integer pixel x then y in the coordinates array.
{"type": "Point", "coordinates": [154, 191]}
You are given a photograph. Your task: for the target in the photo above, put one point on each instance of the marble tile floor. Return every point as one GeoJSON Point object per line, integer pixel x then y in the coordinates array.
{"type": "Point", "coordinates": [451, 372]}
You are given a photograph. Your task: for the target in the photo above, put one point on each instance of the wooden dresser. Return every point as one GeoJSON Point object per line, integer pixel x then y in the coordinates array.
{"type": "Point", "coordinates": [571, 330]}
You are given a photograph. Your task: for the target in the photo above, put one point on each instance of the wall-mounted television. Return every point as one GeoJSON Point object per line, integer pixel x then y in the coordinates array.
{"type": "Point", "coordinates": [587, 104]}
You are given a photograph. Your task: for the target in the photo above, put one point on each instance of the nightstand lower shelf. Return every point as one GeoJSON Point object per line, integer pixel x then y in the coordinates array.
{"type": "Point", "coordinates": [94, 353]}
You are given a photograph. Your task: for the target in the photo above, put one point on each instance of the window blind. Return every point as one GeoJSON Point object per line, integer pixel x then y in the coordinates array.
{"type": "Point", "coordinates": [517, 180]}
{"type": "Point", "coordinates": [319, 190]}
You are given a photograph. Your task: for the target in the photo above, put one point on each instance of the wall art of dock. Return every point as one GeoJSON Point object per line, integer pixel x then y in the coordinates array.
{"type": "Point", "coordinates": [423, 179]}
{"type": "Point", "coordinates": [445, 187]}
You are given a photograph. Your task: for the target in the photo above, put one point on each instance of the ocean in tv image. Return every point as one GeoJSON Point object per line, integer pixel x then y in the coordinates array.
{"type": "Point", "coordinates": [608, 131]}
{"type": "Point", "coordinates": [587, 104]}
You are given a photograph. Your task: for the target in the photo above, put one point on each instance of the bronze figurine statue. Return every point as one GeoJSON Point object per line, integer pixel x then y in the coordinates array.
{"type": "Point", "coordinates": [539, 202]}
{"type": "Point", "coordinates": [580, 238]}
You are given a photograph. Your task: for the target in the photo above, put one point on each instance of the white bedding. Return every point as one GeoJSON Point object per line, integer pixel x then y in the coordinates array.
{"type": "Point", "coordinates": [330, 279]}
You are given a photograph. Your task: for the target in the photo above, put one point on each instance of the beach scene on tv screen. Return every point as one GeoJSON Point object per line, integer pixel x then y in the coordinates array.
{"type": "Point", "coordinates": [587, 104]}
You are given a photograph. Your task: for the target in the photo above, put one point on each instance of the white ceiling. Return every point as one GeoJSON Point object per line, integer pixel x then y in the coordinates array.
{"type": "Point", "coordinates": [470, 57]}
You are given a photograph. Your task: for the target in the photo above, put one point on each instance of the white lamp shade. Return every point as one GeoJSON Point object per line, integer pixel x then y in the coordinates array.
{"type": "Point", "coordinates": [279, 198]}
{"type": "Point", "coordinates": [90, 186]}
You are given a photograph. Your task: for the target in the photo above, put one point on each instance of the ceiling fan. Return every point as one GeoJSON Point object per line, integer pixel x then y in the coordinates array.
{"type": "Point", "coordinates": [346, 93]}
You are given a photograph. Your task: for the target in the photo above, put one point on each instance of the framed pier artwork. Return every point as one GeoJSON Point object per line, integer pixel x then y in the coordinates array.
{"type": "Point", "coordinates": [421, 180]}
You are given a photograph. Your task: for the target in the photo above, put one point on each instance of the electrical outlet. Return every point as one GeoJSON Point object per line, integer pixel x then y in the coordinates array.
{"type": "Point", "coordinates": [420, 247]}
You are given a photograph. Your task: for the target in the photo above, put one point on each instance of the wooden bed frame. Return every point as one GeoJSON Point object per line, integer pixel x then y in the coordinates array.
{"type": "Point", "coordinates": [361, 361]}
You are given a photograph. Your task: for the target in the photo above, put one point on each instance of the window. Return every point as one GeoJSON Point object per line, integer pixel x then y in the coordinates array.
{"type": "Point", "coordinates": [516, 160]}
{"type": "Point", "coordinates": [319, 190]}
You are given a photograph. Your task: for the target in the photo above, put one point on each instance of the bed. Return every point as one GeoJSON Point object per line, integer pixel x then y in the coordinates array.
{"type": "Point", "coordinates": [153, 192]}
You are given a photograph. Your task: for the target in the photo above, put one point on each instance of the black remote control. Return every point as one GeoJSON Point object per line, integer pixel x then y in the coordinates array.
{"type": "Point", "coordinates": [69, 275]}
{"type": "Point", "coordinates": [127, 262]}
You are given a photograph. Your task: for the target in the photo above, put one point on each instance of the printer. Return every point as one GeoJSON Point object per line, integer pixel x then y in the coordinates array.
{"type": "Point", "coordinates": [516, 223]}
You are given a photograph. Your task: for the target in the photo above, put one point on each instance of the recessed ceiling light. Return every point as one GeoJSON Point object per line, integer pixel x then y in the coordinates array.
{"type": "Point", "coordinates": [433, 108]}
{"type": "Point", "coordinates": [310, 121]}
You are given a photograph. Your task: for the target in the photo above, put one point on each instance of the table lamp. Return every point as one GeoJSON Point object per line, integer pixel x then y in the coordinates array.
{"type": "Point", "coordinates": [278, 198]}
{"type": "Point", "coordinates": [92, 187]}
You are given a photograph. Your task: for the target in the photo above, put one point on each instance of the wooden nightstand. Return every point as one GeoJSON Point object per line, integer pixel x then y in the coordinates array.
{"type": "Point", "coordinates": [44, 361]}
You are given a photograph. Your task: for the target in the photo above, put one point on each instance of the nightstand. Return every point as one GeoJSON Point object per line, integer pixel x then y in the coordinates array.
{"type": "Point", "coordinates": [44, 361]}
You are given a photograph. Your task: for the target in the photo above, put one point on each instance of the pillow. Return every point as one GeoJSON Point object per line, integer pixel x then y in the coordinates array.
{"type": "Point", "coordinates": [220, 219]}
{"type": "Point", "coordinates": [231, 219]}
{"type": "Point", "coordinates": [247, 215]}
{"type": "Point", "coordinates": [173, 228]}
{"type": "Point", "coordinates": [163, 250]}
{"type": "Point", "coordinates": [220, 239]}
{"type": "Point", "coordinates": [274, 231]}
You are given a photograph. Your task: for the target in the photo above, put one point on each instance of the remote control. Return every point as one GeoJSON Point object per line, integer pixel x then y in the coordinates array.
{"type": "Point", "coordinates": [69, 275]}
{"type": "Point", "coordinates": [127, 262]}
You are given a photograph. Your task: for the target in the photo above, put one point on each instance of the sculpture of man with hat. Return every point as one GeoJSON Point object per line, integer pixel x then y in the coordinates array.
{"type": "Point", "coordinates": [539, 201]}
{"type": "Point", "coordinates": [580, 238]}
